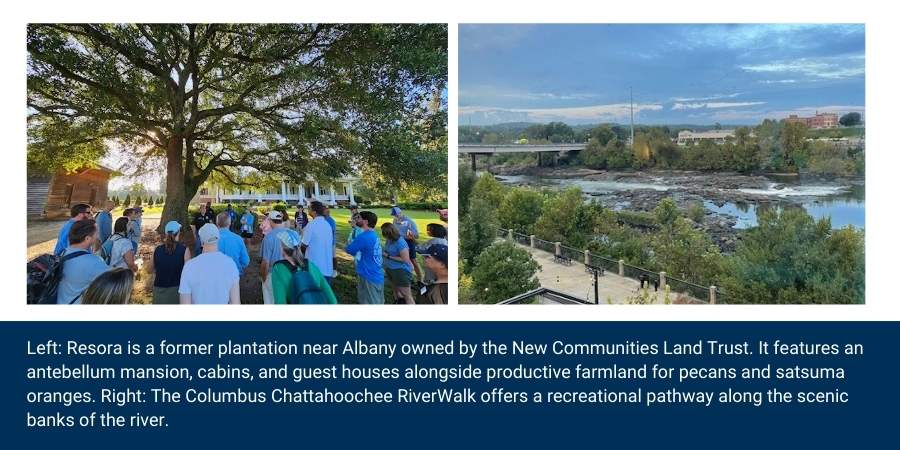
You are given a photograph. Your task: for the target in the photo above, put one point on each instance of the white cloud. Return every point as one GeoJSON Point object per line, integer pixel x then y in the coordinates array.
{"type": "Point", "coordinates": [714, 105]}
{"type": "Point", "coordinates": [547, 96]}
{"type": "Point", "coordinates": [756, 36]}
{"type": "Point", "coordinates": [619, 111]}
{"type": "Point", "coordinates": [788, 81]}
{"type": "Point", "coordinates": [830, 68]}
{"type": "Point", "coordinates": [711, 97]}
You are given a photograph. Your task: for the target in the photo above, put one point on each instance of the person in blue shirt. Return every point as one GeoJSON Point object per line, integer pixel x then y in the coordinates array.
{"type": "Point", "coordinates": [330, 221]}
{"type": "Point", "coordinates": [366, 248]}
{"type": "Point", "coordinates": [104, 221]}
{"type": "Point", "coordinates": [231, 244]}
{"type": "Point", "coordinates": [397, 263]}
{"type": "Point", "coordinates": [409, 231]}
{"type": "Point", "coordinates": [247, 220]}
{"type": "Point", "coordinates": [270, 253]}
{"type": "Point", "coordinates": [79, 271]}
{"type": "Point", "coordinates": [79, 212]}
{"type": "Point", "coordinates": [355, 230]}
{"type": "Point", "coordinates": [134, 227]}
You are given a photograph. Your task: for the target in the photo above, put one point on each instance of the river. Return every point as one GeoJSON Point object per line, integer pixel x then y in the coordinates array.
{"type": "Point", "coordinates": [736, 197]}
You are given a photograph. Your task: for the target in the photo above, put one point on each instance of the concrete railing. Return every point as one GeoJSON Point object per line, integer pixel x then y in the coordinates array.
{"type": "Point", "coordinates": [711, 293]}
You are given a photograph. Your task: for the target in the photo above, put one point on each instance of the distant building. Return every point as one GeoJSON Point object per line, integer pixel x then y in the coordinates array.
{"type": "Point", "coordinates": [52, 196]}
{"type": "Point", "coordinates": [334, 192]}
{"type": "Point", "coordinates": [687, 137]}
{"type": "Point", "coordinates": [823, 120]}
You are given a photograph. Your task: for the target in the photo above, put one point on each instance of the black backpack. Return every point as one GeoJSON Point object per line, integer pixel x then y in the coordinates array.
{"type": "Point", "coordinates": [44, 275]}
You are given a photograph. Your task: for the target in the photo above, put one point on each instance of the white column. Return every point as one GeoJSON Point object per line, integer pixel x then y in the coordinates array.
{"type": "Point", "coordinates": [350, 193]}
{"type": "Point", "coordinates": [333, 199]}
{"type": "Point", "coordinates": [300, 194]}
{"type": "Point", "coordinates": [316, 187]}
{"type": "Point", "coordinates": [283, 192]}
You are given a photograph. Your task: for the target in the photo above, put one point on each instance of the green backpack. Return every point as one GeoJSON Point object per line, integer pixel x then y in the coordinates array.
{"type": "Point", "coordinates": [303, 289]}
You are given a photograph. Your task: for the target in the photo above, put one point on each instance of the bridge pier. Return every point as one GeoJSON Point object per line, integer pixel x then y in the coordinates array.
{"type": "Point", "coordinates": [473, 162]}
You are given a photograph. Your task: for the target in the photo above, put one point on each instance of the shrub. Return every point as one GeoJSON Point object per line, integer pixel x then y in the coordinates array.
{"type": "Point", "coordinates": [477, 231]}
{"type": "Point", "coordinates": [696, 212]}
{"type": "Point", "coordinates": [503, 271]}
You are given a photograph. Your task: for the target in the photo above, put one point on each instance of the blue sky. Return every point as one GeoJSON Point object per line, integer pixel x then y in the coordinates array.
{"type": "Point", "coordinates": [680, 73]}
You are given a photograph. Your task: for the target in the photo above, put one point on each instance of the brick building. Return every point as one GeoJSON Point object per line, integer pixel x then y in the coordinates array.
{"type": "Point", "coordinates": [823, 120]}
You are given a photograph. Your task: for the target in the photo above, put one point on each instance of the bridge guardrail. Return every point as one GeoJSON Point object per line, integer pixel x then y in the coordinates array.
{"type": "Point", "coordinates": [698, 292]}
{"type": "Point", "coordinates": [609, 265]}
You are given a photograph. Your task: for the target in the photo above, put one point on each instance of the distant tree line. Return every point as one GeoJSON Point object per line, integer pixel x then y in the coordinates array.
{"type": "Point", "coordinates": [772, 146]}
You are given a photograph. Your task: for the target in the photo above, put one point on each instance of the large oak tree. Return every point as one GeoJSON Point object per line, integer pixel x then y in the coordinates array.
{"type": "Point", "coordinates": [294, 100]}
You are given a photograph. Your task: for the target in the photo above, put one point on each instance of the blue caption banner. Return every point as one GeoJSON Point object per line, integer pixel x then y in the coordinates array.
{"type": "Point", "coordinates": [449, 384]}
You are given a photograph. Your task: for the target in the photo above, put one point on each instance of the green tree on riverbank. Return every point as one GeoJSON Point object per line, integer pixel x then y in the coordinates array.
{"type": "Point", "coordinates": [503, 271]}
{"type": "Point", "coordinates": [791, 258]}
{"type": "Point", "coordinates": [772, 146]}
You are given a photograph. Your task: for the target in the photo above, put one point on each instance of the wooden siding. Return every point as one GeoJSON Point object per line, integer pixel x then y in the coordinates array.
{"type": "Point", "coordinates": [37, 190]}
{"type": "Point", "coordinates": [87, 186]}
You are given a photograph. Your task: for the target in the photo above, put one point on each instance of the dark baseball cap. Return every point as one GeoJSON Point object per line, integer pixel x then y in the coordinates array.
{"type": "Point", "coordinates": [437, 251]}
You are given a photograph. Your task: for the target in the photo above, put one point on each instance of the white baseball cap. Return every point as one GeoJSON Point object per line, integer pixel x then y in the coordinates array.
{"type": "Point", "coordinates": [209, 234]}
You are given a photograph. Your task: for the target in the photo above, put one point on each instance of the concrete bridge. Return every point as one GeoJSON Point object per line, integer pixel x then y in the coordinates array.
{"type": "Point", "coordinates": [480, 149]}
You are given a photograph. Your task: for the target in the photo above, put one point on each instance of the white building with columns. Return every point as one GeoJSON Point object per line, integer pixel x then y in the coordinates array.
{"type": "Point", "coordinates": [332, 193]}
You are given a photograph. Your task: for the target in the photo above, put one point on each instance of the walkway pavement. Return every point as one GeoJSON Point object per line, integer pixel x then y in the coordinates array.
{"type": "Point", "coordinates": [573, 280]}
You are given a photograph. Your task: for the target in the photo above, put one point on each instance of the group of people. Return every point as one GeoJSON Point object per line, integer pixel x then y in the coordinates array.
{"type": "Point", "coordinates": [398, 257]}
{"type": "Point", "coordinates": [297, 257]}
{"type": "Point", "coordinates": [98, 255]}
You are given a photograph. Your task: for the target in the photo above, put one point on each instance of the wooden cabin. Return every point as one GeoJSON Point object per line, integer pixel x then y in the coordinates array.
{"type": "Point", "coordinates": [52, 197]}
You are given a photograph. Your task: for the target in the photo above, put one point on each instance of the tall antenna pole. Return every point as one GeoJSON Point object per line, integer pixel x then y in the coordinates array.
{"type": "Point", "coordinates": [631, 94]}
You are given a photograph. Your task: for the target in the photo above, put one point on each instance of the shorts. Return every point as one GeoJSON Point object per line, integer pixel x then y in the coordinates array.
{"type": "Point", "coordinates": [166, 295]}
{"type": "Point", "coordinates": [399, 277]}
{"type": "Point", "coordinates": [246, 235]}
{"type": "Point", "coordinates": [369, 293]}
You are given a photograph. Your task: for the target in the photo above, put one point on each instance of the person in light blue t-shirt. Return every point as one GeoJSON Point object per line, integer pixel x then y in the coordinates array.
{"type": "Point", "coordinates": [366, 248]}
{"type": "Point", "coordinates": [397, 263]}
{"type": "Point", "coordinates": [247, 220]}
{"type": "Point", "coordinates": [270, 253]}
{"type": "Point", "coordinates": [355, 229]}
{"type": "Point", "coordinates": [231, 244]}
{"type": "Point", "coordinates": [81, 269]}
{"type": "Point", "coordinates": [409, 231]}
{"type": "Point", "coordinates": [105, 222]}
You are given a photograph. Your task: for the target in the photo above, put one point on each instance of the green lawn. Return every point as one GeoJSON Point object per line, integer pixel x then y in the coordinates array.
{"type": "Point", "coordinates": [150, 212]}
{"type": "Point", "coordinates": [422, 219]}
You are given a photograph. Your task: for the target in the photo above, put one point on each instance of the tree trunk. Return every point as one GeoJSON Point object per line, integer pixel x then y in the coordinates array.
{"type": "Point", "coordinates": [176, 197]}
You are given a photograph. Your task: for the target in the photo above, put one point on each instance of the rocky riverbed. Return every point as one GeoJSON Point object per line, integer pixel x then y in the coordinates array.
{"type": "Point", "coordinates": [643, 190]}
